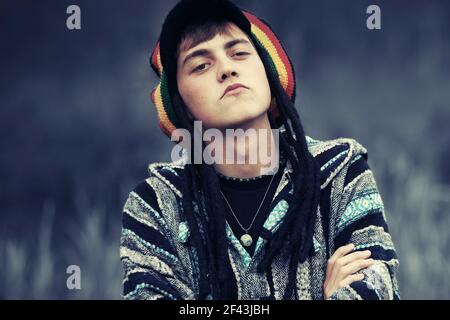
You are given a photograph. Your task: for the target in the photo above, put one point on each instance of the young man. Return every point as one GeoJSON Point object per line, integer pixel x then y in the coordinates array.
{"type": "Point", "coordinates": [313, 228]}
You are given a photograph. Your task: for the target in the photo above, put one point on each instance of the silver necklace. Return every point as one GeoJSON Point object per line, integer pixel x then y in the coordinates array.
{"type": "Point", "coordinates": [246, 238]}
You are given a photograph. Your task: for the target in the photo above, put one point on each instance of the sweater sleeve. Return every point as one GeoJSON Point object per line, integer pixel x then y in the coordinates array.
{"type": "Point", "coordinates": [151, 264]}
{"type": "Point", "coordinates": [361, 220]}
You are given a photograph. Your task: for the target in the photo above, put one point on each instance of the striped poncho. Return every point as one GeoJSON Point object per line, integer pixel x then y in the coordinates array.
{"type": "Point", "coordinates": [160, 263]}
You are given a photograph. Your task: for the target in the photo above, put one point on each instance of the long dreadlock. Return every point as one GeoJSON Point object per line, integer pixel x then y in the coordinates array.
{"type": "Point", "coordinates": [201, 183]}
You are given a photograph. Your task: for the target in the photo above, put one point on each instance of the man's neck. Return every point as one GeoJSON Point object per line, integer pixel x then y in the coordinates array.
{"type": "Point", "coordinates": [258, 156]}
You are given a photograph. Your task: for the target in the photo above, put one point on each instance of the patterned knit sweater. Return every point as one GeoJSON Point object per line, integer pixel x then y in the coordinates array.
{"type": "Point", "coordinates": [160, 263]}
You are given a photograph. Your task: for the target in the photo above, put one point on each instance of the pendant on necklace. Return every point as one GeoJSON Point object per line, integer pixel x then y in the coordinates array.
{"type": "Point", "coordinates": [246, 240]}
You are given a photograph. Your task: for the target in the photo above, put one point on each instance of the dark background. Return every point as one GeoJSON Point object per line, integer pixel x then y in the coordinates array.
{"type": "Point", "coordinates": [78, 129]}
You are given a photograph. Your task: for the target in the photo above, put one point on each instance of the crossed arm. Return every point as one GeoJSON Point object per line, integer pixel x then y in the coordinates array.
{"type": "Point", "coordinates": [365, 263]}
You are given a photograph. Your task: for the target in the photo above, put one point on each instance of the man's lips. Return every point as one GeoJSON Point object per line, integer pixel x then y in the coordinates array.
{"type": "Point", "coordinates": [232, 87]}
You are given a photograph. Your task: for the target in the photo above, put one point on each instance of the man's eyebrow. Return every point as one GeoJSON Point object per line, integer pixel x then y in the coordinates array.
{"type": "Point", "coordinates": [204, 52]}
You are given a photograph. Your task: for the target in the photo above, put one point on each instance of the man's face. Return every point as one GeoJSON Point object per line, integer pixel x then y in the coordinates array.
{"type": "Point", "coordinates": [205, 71]}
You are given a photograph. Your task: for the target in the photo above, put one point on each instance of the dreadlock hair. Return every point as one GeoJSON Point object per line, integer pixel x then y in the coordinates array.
{"type": "Point", "coordinates": [201, 189]}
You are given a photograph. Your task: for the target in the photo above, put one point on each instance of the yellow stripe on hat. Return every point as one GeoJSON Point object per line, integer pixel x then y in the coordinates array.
{"type": "Point", "coordinates": [265, 41]}
{"type": "Point", "coordinates": [163, 118]}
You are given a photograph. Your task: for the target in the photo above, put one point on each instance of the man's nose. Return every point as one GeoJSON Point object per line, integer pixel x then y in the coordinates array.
{"type": "Point", "coordinates": [227, 70]}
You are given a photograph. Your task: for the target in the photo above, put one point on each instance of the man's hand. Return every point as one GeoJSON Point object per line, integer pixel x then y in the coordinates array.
{"type": "Point", "coordinates": [342, 267]}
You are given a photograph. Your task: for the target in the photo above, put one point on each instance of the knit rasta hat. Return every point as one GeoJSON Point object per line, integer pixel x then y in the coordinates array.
{"type": "Point", "coordinates": [188, 12]}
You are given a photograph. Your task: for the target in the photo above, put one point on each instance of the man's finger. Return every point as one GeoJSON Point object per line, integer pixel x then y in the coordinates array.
{"type": "Point", "coordinates": [340, 252]}
{"type": "Point", "coordinates": [357, 265]}
{"type": "Point", "coordinates": [356, 255]}
{"type": "Point", "coordinates": [331, 270]}
{"type": "Point", "coordinates": [350, 279]}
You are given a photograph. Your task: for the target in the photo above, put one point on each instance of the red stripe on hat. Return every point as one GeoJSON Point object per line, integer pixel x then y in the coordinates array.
{"type": "Point", "coordinates": [155, 58]}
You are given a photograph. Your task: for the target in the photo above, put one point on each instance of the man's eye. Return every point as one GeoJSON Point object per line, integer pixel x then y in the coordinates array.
{"type": "Point", "coordinates": [199, 67]}
{"type": "Point", "coordinates": [241, 53]}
